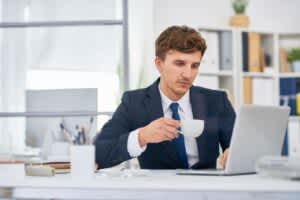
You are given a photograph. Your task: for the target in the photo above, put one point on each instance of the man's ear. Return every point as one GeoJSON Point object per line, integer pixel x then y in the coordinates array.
{"type": "Point", "coordinates": [158, 62]}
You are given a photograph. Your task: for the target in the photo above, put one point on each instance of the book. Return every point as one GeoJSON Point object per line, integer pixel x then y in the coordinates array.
{"type": "Point", "coordinates": [284, 67]}
{"type": "Point", "coordinates": [262, 91]}
{"type": "Point", "coordinates": [247, 90]}
{"type": "Point", "coordinates": [254, 52]}
{"type": "Point", "coordinates": [298, 103]}
{"type": "Point", "coordinates": [288, 92]}
{"type": "Point", "coordinates": [11, 161]}
{"type": "Point", "coordinates": [214, 51]}
{"type": "Point", "coordinates": [210, 60]}
{"type": "Point", "coordinates": [262, 60]}
{"type": "Point", "coordinates": [226, 50]}
{"type": "Point", "coordinates": [245, 51]}
{"type": "Point", "coordinates": [39, 170]}
{"type": "Point", "coordinates": [46, 168]}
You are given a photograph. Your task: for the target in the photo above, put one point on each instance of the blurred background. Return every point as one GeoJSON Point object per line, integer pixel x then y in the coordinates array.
{"type": "Point", "coordinates": [64, 64]}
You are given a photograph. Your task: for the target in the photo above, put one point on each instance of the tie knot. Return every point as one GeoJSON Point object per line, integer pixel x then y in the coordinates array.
{"type": "Point", "coordinates": [174, 107]}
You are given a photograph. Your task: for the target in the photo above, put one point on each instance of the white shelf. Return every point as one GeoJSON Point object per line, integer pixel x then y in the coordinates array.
{"type": "Point", "coordinates": [290, 75]}
{"type": "Point", "coordinates": [217, 29]}
{"type": "Point", "coordinates": [260, 31]}
{"type": "Point", "coordinates": [218, 73]}
{"type": "Point", "coordinates": [289, 34]}
{"type": "Point", "coordinates": [258, 75]}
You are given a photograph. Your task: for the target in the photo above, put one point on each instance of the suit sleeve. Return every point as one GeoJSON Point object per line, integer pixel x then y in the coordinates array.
{"type": "Point", "coordinates": [111, 142]}
{"type": "Point", "coordinates": [226, 122]}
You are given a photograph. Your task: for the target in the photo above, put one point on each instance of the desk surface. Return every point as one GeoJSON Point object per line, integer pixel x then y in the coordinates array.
{"type": "Point", "coordinates": [153, 185]}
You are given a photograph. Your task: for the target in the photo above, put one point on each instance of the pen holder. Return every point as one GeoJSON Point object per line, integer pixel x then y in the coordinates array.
{"type": "Point", "coordinates": [82, 161]}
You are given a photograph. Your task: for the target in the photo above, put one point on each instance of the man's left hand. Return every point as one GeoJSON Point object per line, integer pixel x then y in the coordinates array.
{"type": "Point", "coordinates": [222, 159]}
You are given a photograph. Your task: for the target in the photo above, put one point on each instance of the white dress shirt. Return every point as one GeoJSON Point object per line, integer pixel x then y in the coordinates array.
{"type": "Point", "coordinates": [185, 112]}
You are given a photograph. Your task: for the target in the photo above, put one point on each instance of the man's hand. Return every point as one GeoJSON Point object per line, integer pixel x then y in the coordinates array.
{"type": "Point", "coordinates": [222, 159]}
{"type": "Point", "coordinates": [158, 131]}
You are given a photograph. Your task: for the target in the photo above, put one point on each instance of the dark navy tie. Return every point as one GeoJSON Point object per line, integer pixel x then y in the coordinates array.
{"type": "Point", "coordinates": [179, 142]}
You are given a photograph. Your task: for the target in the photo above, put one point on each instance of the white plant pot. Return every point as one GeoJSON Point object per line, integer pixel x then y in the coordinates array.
{"type": "Point", "coordinates": [296, 66]}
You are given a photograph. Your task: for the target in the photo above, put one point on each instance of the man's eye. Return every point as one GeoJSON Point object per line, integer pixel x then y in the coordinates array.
{"type": "Point", "coordinates": [180, 63]}
{"type": "Point", "coordinates": [195, 66]}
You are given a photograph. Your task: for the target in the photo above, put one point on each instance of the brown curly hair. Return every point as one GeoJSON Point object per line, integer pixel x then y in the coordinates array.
{"type": "Point", "coordinates": [180, 38]}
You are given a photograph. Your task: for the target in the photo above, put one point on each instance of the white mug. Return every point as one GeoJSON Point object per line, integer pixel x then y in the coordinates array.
{"type": "Point", "coordinates": [82, 161]}
{"type": "Point", "coordinates": [191, 127]}
{"type": "Point", "coordinates": [60, 151]}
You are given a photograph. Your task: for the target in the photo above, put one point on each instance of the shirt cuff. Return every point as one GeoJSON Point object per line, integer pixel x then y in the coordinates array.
{"type": "Point", "coordinates": [133, 146]}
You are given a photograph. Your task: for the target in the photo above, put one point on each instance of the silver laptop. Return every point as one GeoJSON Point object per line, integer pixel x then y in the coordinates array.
{"type": "Point", "coordinates": [258, 131]}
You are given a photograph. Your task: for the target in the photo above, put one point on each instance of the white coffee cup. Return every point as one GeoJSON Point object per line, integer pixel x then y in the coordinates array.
{"type": "Point", "coordinates": [82, 161]}
{"type": "Point", "coordinates": [191, 127]}
{"type": "Point", "coordinates": [60, 151]}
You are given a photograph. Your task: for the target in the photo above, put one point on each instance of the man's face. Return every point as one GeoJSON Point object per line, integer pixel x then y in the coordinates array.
{"type": "Point", "coordinates": [178, 71]}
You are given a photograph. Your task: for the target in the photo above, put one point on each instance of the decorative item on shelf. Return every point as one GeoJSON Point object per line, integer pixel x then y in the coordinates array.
{"type": "Point", "coordinates": [298, 103]}
{"type": "Point", "coordinates": [239, 19]}
{"type": "Point", "coordinates": [293, 56]}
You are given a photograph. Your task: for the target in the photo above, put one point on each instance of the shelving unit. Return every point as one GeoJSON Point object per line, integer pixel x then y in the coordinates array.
{"type": "Point", "coordinates": [218, 73]}
{"type": "Point", "coordinates": [290, 75]}
{"type": "Point", "coordinates": [258, 75]}
{"type": "Point", "coordinates": [267, 82]}
{"type": "Point", "coordinates": [232, 79]}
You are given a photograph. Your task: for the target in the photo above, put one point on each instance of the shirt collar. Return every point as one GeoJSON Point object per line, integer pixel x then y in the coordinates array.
{"type": "Point", "coordinates": [183, 102]}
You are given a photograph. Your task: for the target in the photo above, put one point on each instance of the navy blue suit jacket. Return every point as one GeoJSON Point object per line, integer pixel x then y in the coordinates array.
{"type": "Point", "coordinates": [140, 107]}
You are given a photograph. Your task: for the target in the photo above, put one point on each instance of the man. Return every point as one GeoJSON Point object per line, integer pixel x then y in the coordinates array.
{"type": "Point", "coordinates": [146, 123]}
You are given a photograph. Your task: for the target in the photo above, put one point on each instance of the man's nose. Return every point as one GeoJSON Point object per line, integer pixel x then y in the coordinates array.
{"type": "Point", "coordinates": [187, 72]}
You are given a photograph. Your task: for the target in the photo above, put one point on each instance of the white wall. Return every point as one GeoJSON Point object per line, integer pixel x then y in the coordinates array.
{"type": "Point", "coordinates": [276, 15]}
{"type": "Point", "coordinates": [141, 42]}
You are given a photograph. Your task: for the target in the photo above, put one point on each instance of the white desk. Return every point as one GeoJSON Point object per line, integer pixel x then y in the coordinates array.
{"type": "Point", "coordinates": [163, 186]}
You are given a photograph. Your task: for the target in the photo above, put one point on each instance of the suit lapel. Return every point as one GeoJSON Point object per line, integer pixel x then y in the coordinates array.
{"type": "Point", "coordinates": [153, 102]}
{"type": "Point", "coordinates": [198, 104]}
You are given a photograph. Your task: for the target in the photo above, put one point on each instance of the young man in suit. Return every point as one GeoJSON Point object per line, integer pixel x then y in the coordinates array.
{"type": "Point", "coordinates": [145, 125]}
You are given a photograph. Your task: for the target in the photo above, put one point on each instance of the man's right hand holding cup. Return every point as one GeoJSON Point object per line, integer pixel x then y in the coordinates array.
{"type": "Point", "coordinates": [162, 129]}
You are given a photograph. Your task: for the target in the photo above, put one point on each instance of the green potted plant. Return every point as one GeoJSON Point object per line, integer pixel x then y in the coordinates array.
{"type": "Point", "coordinates": [240, 19]}
{"type": "Point", "coordinates": [239, 6]}
{"type": "Point", "coordinates": [293, 57]}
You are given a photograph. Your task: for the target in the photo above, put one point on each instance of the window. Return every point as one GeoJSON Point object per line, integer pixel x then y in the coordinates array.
{"type": "Point", "coordinates": [52, 45]}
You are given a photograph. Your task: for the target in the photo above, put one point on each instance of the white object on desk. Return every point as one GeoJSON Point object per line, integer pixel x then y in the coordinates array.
{"type": "Point", "coordinates": [60, 152]}
{"type": "Point", "coordinates": [12, 171]}
{"type": "Point", "coordinates": [82, 161]}
{"type": "Point", "coordinates": [279, 166]}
